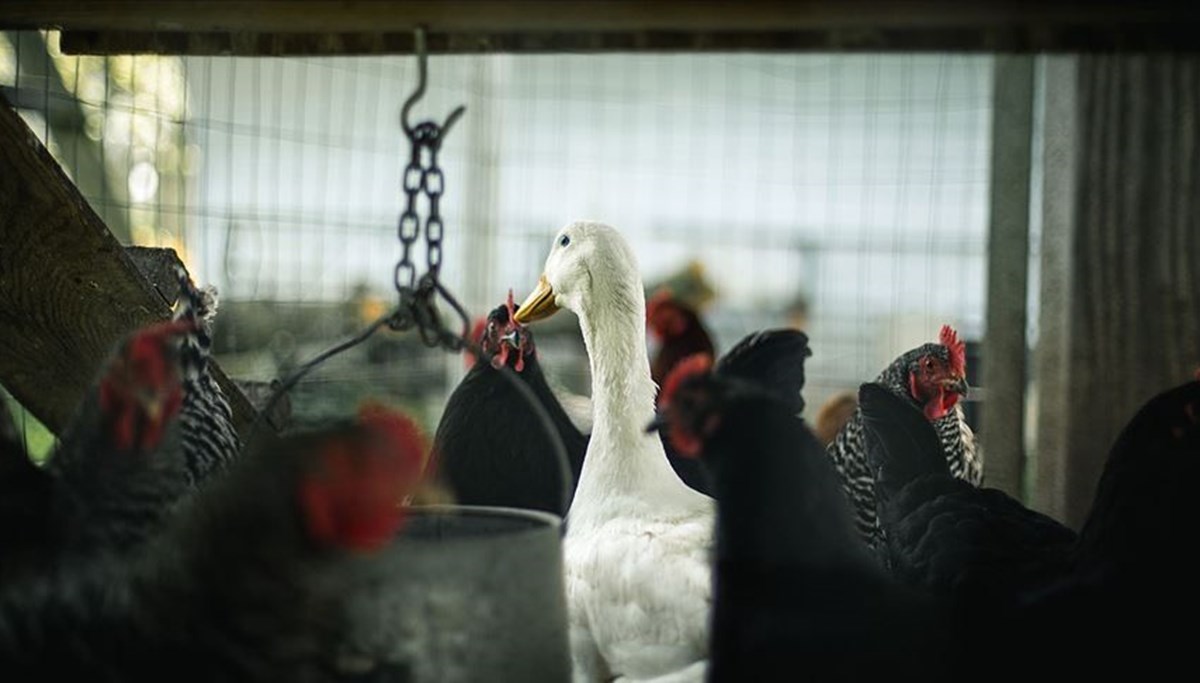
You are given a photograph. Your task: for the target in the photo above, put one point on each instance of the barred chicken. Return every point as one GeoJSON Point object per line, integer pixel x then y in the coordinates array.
{"type": "Point", "coordinates": [210, 441]}
{"type": "Point", "coordinates": [931, 377]}
{"type": "Point", "coordinates": [119, 469]}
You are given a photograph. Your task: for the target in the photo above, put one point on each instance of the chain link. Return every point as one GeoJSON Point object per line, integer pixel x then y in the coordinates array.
{"type": "Point", "coordinates": [423, 177]}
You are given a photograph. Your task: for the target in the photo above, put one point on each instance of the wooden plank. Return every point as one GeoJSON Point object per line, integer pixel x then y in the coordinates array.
{"type": "Point", "coordinates": [1019, 38]}
{"type": "Point", "coordinates": [68, 290]}
{"type": "Point", "coordinates": [335, 27]}
{"type": "Point", "coordinates": [158, 265]}
{"type": "Point", "coordinates": [1003, 429]}
{"type": "Point", "coordinates": [1132, 247]}
{"type": "Point", "coordinates": [321, 16]}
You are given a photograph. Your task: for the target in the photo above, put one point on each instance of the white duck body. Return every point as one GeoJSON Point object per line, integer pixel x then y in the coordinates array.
{"type": "Point", "coordinates": [637, 548]}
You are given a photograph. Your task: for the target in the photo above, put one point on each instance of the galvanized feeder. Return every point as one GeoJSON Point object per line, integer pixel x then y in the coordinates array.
{"type": "Point", "coordinates": [470, 593]}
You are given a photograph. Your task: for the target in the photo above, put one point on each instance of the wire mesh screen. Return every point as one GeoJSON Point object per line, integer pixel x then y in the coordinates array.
{"type": "Point", "coordinates": [846, 194]}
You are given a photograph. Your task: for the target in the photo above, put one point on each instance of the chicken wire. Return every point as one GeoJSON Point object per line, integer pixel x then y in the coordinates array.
{"type": "Point", "coordinates": [857, 183]}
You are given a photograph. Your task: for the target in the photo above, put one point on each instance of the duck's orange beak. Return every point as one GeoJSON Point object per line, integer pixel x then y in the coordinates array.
{"type": "Point", "coordinates": [538, 305]}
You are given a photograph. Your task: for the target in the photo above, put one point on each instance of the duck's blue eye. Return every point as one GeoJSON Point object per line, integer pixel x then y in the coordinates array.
{"type": "Point", "coordinates": [564, 240]}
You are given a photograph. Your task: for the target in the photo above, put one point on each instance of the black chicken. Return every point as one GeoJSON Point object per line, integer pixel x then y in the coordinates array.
{"type": "Point", "coordinates": [25, 494]}
{"type": "Point", "coordinates": [796, 595]}
{"type": "Point", "coordinates": [248, 583]}
{"type": "Point", "coordinates": [1021, 580]}
{"type": "Point", "coordinates": [678, 332]}
{"type": "Point", "coordinates": [943, 533]}
{"type": "Point", "coordinates": [490, 447]}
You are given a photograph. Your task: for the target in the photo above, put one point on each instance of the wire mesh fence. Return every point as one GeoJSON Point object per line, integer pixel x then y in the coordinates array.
{"type": "Point", "coordinates": [843, 193]}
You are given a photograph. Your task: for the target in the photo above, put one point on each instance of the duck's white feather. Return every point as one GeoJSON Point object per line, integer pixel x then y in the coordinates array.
{"type": "Point", "coordinates": [638, 543]}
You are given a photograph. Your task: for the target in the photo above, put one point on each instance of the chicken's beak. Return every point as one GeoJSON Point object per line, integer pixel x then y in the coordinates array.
{"type": "Point", "coordinates": [153, 409]}
{"type": "Point", "coordinates": [538, 305]}
{"type": "Point", "coordinates": [958, 385]}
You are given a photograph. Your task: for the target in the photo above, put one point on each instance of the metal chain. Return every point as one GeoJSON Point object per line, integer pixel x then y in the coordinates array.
{"type": "Point", "coordinates": [423, 177]}
{"type": "Point", "coordinates": [410, 225]}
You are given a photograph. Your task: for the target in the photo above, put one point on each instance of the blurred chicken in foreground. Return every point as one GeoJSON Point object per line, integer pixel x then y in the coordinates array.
{"type": "Point", "coordinates": [247, 583]}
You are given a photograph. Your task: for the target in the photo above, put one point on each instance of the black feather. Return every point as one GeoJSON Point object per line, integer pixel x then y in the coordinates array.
{"type": "Point", "coordinates": [773, 359]}
{"type": "Point", "coordinates": [793, 584]}
{"type": "Point", "coordinates": [25, 500]}
{"type": "Point", "coordinates": [902, 443]}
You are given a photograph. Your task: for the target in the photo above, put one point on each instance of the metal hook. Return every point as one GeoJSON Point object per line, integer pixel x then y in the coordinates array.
{"type": "Point", "coordinates": [422, 74]}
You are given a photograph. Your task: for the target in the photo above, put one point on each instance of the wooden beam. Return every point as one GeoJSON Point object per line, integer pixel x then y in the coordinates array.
{"type": "Point", "coordinates": [68, 290]}
{"type": "Point", "coordinates": [1003, 429]}
{"type": "Point", "coordinates": [336, 27]}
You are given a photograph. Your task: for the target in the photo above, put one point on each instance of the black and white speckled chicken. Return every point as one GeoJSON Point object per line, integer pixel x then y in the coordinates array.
{"type": "Point", "coordinates": [151, 428]}
{"type": "Point", "coordinates": [248, 582]}
{"type": "Point", "coordinates": [796, 596]}
{"type": "Point", "coordinates": [931, 377]}
{"type": "Point", "coordinates": [119, 469]}
{"type": "Point", "coordinates": [210, 441]}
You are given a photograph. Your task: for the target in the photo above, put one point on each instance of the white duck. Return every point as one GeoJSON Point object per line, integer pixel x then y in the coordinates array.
{"type": "Point", "coordinates": [636, 552]}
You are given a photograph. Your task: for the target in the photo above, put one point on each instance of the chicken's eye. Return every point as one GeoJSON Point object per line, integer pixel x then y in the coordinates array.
{"type": "Point", "coordinates": [564, 240]}
{"type": "Point", "coordinates": [928, 363]}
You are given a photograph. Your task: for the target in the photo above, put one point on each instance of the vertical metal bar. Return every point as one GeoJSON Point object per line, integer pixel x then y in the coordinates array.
{"type": "Point", "coordinates": [1004, 376]}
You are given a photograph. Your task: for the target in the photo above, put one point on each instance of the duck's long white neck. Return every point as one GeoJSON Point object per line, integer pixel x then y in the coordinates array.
{"type": "Point", "coordinates": [622, 461]}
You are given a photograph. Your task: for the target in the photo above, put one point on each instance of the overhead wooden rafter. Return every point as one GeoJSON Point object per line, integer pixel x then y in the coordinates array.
{"type": "Point", "coordinates": [279, 27]}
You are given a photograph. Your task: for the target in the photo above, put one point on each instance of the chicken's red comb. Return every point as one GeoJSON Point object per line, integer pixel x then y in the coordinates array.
{"type": "Point", "coordinates": [512, 310]}
{"type": "Point", "coordinates": [695, 364]}
{"type": "Point", "coordinates": [352, 499]}
{"type": "Point", "coordinates": [657, 300]}
{"type": "Point", "coordinates": [398, 430]}
{"type": "Point", "coordinates": [958, 349]}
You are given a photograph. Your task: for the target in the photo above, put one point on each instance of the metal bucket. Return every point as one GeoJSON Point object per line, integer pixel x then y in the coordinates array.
{"type": "Point", "coordinates": [469, 593]}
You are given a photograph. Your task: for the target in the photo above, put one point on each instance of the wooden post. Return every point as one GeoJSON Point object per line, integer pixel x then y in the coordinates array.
{"type": "Point", "coordinates": [1051, 355]}
{"type": "Point", "coordinates": [1002, 432]}
{"type": "Point", "coordinates": [1121, 280]}
{"type": "Point", "coordinates": [68, 290]}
